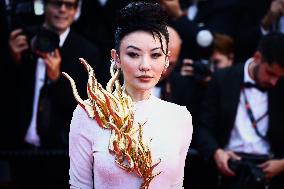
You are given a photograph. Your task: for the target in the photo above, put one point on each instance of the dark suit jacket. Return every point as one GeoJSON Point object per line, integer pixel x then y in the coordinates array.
{"type": "Point", "coordinates": [248, 29]}
{"type": "Point", "coordinates": [219, 109]}
{"type": "Point", "coordinates": [59, 93]}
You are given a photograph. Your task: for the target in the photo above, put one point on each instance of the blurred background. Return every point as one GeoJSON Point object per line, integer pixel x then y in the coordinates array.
{"type": "Point", "coordinates": [37, 104]}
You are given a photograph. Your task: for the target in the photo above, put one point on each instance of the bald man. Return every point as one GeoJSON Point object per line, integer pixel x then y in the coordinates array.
{"type": "Point", "coordinates": [169, 85]}
{"type": "Point", "coordinates": [174, 49]}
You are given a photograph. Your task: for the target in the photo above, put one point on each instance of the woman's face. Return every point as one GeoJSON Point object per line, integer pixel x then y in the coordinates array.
{"type": "Point", "coordinates": [141, 60]}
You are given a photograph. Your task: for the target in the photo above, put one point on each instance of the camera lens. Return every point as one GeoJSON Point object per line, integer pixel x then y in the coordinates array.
{"type": "Point", "coordinates": [45, 41]}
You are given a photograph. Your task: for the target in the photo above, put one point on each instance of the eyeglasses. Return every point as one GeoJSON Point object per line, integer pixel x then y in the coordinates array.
{"type": "Point", "coordinates": [68, 5]}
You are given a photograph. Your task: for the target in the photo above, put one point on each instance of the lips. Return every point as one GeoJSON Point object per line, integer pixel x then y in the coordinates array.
{"type": "Point", "coordinates": [144, 78]}
{"type": "Point", "coordinates": [60, 18]}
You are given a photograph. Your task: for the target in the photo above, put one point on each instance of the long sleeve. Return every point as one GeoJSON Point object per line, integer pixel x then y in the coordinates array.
{"type": "Point", "coordinates": [188, 130]}
{"type": "Point", "coordinates": [80, 151]}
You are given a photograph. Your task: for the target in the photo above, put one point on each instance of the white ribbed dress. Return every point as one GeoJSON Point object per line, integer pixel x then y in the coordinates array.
{"type": "Point", "coordinates": [92, 166]}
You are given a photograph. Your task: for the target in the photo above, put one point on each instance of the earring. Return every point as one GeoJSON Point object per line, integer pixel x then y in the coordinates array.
{"type": "Point", "coordinates": [112, 61]}
{"type": "Point", "coordinates": [167, 64]}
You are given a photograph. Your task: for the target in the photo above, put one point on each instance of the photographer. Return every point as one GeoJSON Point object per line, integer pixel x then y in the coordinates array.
{"type": "Point", "coordinates": [215, 51]}
{"type": "Point", "coordinates": [187, 17]}
{"type": "Point", "coordinates": [221, 55]}
{"type": "Point", "coordinates": [241, 120]}
{"type": "Point", "coordinates": [41, 53]}
{"type": "Point", "coordinates": [44, 102]}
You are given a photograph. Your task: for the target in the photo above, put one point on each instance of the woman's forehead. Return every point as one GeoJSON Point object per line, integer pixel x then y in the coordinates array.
{"type": "Point", "coordinates": [142, 39]}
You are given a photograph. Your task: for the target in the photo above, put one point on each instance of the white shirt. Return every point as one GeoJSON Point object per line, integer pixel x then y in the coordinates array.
{"type": "Point", "coordinates": [92, 166]}
{"type": "Point", "coordinates": [32, 136]}
{"type": "Point", "coordinates": [243, 136]}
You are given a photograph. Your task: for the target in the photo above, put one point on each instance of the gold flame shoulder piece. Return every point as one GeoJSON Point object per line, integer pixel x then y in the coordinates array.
{"type": "Point", "coordinates": [113, 109]}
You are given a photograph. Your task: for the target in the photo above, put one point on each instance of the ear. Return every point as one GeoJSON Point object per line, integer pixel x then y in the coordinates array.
{"type": "Point", "coordinates": [115, 57]}
{"type": "Point", "coordinates": [257, 57]}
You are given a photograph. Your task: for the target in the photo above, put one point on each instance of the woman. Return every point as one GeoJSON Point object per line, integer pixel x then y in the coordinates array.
{"type": "Point", "coordinates": [127, 138]}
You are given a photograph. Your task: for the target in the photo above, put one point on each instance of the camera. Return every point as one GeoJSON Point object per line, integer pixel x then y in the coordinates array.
{"type": "Point", "coordinates": [252, 177]}
{"type": "Point", "coordinates": [45, 41]}
{"type": "Point", "coordinates": [202, 69]}
{"type": "Point", "coordinates": [26, 14]}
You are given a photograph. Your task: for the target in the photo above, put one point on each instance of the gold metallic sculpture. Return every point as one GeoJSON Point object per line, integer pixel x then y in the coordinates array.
{"type": "Point", "coordinates": [113, 109]}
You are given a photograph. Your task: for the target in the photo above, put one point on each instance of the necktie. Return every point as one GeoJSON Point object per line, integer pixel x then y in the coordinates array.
{"type": "Point", "coordinates": [253, 85]}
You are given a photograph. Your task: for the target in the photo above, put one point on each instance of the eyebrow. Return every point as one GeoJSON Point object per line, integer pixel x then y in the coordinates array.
{"type": "Point", "coordinates": [136, 48]}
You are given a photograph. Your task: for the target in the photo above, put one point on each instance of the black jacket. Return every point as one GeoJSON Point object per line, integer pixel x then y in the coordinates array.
{"type": "Point", "coordinates": [59, 100]}
{"type": "Point", "coordinates": [219, 110]}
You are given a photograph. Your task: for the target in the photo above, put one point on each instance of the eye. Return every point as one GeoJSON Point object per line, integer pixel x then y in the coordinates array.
{"type": "Point", "coordinates": [156, 55]}
{"type": "Point", "coordinates": [133, 54]}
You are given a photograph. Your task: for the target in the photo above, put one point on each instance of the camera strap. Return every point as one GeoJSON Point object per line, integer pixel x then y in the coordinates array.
{"type": "Point", "coordinates": [252, 118]}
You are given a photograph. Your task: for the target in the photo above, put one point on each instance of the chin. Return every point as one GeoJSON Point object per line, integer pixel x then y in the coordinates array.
{"type": "Point", "coordinates": [60, 25]}
{"type": "Point", "coordinates": [145, 86]}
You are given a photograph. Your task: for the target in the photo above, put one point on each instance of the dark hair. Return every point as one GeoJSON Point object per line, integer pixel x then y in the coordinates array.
{"type": "Point", "coordinates": [271, 47]}
{"type": "Point", "coordinates": [143, 16]}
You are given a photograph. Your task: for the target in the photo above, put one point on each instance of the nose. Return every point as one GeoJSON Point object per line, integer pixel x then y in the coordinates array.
{"type": "Point", "coordinates": [273, 81]}
{"type": "Point", "coordinates": [63, 7]}
{"type": "Point", "coordinates": [145, 64]}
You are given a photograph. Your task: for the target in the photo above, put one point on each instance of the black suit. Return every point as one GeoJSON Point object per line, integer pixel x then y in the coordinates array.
{"type": "Point", "coordinates": [59, 93]}
{"type": "Point", "coordinates": [249, 33]}
{"type": "Point", "coordinates": [219, 110]}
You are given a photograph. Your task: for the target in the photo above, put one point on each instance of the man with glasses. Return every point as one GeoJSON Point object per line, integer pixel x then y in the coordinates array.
{"type": "Point", "coordinates": [45, 100]}
{"type": "Point", "coordinates": [44, 94]}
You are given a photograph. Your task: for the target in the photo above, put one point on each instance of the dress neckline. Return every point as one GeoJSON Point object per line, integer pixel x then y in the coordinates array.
{"type": "Point", "coordinates": [144, 101]}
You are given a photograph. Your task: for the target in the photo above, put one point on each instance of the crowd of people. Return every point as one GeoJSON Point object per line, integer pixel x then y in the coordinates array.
{"type": "Point", "coordinates": [226, 65]}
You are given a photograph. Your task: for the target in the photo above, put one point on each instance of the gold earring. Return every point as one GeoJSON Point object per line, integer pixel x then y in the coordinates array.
{"type": "Point", "coordinates": [167, 63]}
{"type": "Point", "coordinates": [112, 61]}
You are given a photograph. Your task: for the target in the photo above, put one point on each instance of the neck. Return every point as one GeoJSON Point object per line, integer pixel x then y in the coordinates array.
{"type": "Point", "coordinates": [138, 95]}
{"type": "Point", "coordinates": [251, 68]}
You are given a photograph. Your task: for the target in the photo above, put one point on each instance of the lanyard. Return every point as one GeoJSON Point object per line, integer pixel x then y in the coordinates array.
{"type": "Point", "coordinates": [252, 118]}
